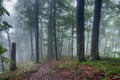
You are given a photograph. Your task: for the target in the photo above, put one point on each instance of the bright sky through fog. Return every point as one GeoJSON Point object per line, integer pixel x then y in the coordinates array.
{"type": "Point", "coordinates": [9, 5]}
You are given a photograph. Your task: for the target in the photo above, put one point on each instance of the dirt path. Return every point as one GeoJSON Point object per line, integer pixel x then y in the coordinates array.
{"type": "Point", "coordinates": [47, 71]}
{"type": "Point", "coordinates": [39, 73]}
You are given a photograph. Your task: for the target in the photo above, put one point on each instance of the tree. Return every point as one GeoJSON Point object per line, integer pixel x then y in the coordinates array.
{"type": "Point", "coordinates": [2, 51]}
{"type": "Point", "coordinates": [63, 21]}
{"type": "Point", "coordinates": [50, 33]}
{"type": "Point", "coordinates": [80, 30]}
{"type": "Point", "coordinates": [4, 26]}
{"type": "Point", "coordinates": [95, 31]}
{"type": "Point", "coordinates": [26, 20]}
{"type": "Point", "coordinates": [13, 66]}
{"type": "Point", "coordinates": [54, 25]}
{"type": "Point", "coordinates": [37, 30]}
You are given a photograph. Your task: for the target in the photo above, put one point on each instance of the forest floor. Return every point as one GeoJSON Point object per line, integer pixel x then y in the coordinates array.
{"type": "Point", "coordinates": [60, 71]}
{"type": "Point", "coordinates": [66, 69]}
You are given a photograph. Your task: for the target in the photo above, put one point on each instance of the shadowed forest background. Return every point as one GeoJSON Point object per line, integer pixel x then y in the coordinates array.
{"type": "Point", "coordinates": [66, 35]}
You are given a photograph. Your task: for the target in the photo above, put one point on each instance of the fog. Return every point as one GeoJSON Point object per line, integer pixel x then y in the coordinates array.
{"type": "Point", "coordinates": [24, 31]}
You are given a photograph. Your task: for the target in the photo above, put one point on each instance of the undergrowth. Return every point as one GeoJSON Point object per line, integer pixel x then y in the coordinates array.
{"type": "Point", "coordinates": [16, 75]}
{"type": "Point", "coordinates": [110, 66]}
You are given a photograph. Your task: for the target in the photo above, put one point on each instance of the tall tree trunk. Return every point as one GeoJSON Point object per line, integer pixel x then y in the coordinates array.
{"type": "Point", "coordinates": [50, 35]}
{"type": "Point", "coordinates": [72, 40]}
{"type": "Point", "coordinates": [61, 50]}
{"type": "Point", "coordinates": [95, 31]}
{"type": "Point", "coordinates": [80, 30]}
{"type": "Point", "coordinates": [41, 36]}
{"type": "Point", "coordinates": [31, 35]}
{"type": "Point", "coordinates": [37, 30]}
{"type": "Point", "coordinates": [68, 47]}
{"type": "Point", "coordinates": [54, 25]}
{"type": "Point", "coordinates": [2, 64]}
{"type": "Point", "coordinates": [87, 43]}
{"type": "Point", "coordinates": [31, 42]}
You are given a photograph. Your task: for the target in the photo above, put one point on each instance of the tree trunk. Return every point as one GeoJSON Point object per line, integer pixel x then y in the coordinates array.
{"type": "Point", "coordinates": [37, 30]}
{"type": "Point", "coordinates": [68, 48]}
{"type": "Point", "coordinates": [87, 43]}
{"type": "Point", "coordinates": [50, 35]}
{"type": "Point", "coordinates": [2, 63]}
{"type": "Point", "coordinates": [13, 66]}
{"type": "Point", "coordinates": [41, 36]}
{"type": "Point", "coordinates": [31, 42]}
{"type": "Point", "coordinates": [80, 30]}
{"type": "Point", "coordinates": [72, 41]}
{"type": "Point", "coordinates": [61, 50]}
{"type": "Point", "coordinates": [54, 25]}
{"type": "Point", "coordinates": [95, 31]}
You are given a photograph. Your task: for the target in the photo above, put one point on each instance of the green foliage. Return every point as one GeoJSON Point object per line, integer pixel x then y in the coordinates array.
{"type": "Point", "coordinates": [7, 60]}
{"type": "Point", "coordinates": [2, 50]}
{"type": "Point", "coordinates": [18, 74]}
{"type": "Point", "coordinates": [64, 5]}
{"type": "Point", "coordinates": [88, 14]}
{"type": "Point", "coordinates": [4, 59]}
{"type": "Point", "coordinates": [117, 52]}
{"type": "Point", "coordinates": [111, 66]}
{"type": "Point", "coordinates": [88, 29]}
{"type": "Point", "coordinates": [3, 11]}
{"type": "Point", "coordinates": [63, 66]}
{"type": "Point", "coordinates": [76, 63]}
{"type": "Point", "coordinates": [107, 51]}
{"type": "Point", "coordinates": [4, 26]}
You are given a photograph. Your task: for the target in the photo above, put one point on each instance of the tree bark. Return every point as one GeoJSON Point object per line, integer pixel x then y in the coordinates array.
{"type": "Point", "coordinates": [68, 48]}
{"type": "Point", "coordinates": [80, 30]}
{"type": "Point", "coordinates": [41, 41]}
{"type": "Point", "coordinates": [13, 66]}
{"type": "Point", "coordinates": [50, 34]}
{"type": "Point", "coordinates": [2, 63]}
{"type": "Point", "coordinates": [72, 40]}
{"type": "Point", "coordinates": [95, 31]}
{"type": "Point", "coordinates": [31, 42]}
{"type": "Point", "coordinates": [37, 30]}
{"type": "Point", "coordinates": [54, 25]}
{"type": "Point", "coordinates": [61, 50]}
{"type": "Point", "coordinates": [87, 43]}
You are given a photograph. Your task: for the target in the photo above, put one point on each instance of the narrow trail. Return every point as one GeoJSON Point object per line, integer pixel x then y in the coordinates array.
{"type": "Point", "coordinates": [46, 70]}
{"type": "Point", "coordinates": [39, 73]}
{"type": "Point", "coordinates": [49, 71]}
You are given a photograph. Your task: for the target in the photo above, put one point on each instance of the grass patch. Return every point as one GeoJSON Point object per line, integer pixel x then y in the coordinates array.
{"type": "Point", "coordinates": [111, 66]}
{"type": "Point", "coordinates": [19, 73]}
